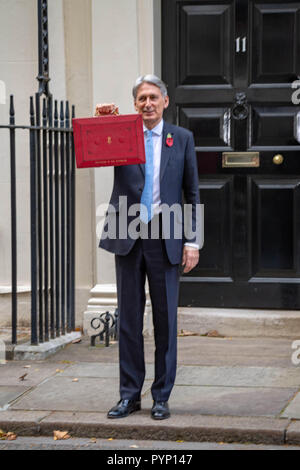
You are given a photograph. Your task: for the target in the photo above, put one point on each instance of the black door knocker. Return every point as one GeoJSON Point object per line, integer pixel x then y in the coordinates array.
{"type": "Point", "coordinates": [240, 109]}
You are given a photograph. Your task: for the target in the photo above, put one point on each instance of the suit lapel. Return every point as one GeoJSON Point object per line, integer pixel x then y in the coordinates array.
{"type": "Point", "coordinates": [142, 168]}
{"type": "Point", "coordinates": [166, 151]}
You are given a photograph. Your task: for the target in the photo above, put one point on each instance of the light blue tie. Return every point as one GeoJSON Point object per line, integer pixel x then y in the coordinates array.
{"type": "Point", "coordinates": [147, 195]}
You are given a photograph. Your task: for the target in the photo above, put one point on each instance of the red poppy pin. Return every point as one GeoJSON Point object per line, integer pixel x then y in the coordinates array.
{"type": "Point", "coordinates": [169, 140]}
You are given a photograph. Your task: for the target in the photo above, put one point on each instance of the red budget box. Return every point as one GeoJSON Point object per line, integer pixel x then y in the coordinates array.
{"type": "Point", "coordinates": [109, 140]}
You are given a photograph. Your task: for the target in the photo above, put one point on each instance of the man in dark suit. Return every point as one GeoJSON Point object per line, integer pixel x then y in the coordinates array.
{"type": "Point", "coordinates": [170, 170]}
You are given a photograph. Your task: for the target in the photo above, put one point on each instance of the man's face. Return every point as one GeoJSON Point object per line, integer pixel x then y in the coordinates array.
{"type": "Point", "coordinates": [150, 103]}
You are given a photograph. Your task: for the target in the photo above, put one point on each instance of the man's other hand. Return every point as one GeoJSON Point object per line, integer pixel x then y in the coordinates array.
{"type": "Point", "coordinates": [106, 109]}
{"type": "Point", "coordinates": [190, 258]}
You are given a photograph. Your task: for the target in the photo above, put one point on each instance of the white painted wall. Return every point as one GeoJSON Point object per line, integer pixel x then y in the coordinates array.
{"type": "Point", "coordinates": [57, 60]}
{"type": "Point", "coordinates": [123, 49]}
{"type": "Point", "coordinates": [97, 49]}
{"type": "Point", "coordinates": [69, 40]}
{"type": "Point", "coordinates": [18, 69]}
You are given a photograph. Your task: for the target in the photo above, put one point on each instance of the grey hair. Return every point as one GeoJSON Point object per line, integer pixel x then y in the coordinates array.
{"type": "Point", "coordinates": [154, 80]}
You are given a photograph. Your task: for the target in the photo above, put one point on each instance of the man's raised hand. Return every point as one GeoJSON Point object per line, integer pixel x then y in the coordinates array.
{"type": "Point", "coordinates": [106, 109]}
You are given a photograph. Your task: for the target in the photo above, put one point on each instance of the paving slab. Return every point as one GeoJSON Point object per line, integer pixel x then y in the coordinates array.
{"type": "Point", "coordinates": [235, 376]}
{"type": "Point", "coordinates": [99, 394]}
{"type": "Point", "coordinates": [235, 351]}
{"type": "Point", "coordinates": [83, 352]}
{"type": "Point", "coordinates": [9, 394]}
{"type": "Point", "coordinates": [12, 373]}
{"type": "Point", "coordinates": [238, 376]}
{"type": "Point", "coordinates": [227, 401]}
{"type": "Point", "coordinates": [293, 409]}
{"type": "Point", "coordinates": [194, 350]}
{"type": "Point", "coordinates": [88, 369]}
{"type": "Point", "coordinates": [63, 393]}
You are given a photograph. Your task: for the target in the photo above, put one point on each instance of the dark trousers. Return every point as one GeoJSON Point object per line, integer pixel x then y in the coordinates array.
{"type": "Point", "coordinates": [147, 258]}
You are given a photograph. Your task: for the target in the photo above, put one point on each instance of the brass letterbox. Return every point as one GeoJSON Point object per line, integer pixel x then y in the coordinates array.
{"type": "Point", "coordinates": [240, 159]}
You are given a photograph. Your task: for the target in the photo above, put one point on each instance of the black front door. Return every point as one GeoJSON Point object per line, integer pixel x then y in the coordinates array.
{"type": "Point", "coordinates": [229, 66]}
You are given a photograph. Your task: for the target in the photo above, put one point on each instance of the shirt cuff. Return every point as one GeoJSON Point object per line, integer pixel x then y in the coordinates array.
{"type": "Point", "coordinates": [192, 245]}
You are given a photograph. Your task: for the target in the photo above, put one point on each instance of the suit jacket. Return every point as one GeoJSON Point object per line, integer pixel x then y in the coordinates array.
{"type": "Point", "coordinates": [178, 178]}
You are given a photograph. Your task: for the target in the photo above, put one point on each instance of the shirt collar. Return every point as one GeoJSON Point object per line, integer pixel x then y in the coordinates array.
{"type": "Point", "coordinates": [157, 130]}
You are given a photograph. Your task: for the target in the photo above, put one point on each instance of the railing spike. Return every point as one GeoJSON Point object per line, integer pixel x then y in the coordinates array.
{"type": "Point", "coordinates": [44, 112]}
{"type": "Point", "coordinates": [11, 107]}
{"type": "Point", "coordinates": [50, 110]}
{"type": "Point", "coordinates": [62, 116]}
{"type": "Point", "coordinates": [31, 111]}
{"type": "Point", "coordinates": [55, 110]}
{"type": "Point", "coordinates": [67, 110]}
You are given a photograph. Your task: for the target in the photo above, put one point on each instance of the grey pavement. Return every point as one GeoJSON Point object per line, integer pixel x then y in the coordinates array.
{"type": "Point", "coordinates": [231, 390]}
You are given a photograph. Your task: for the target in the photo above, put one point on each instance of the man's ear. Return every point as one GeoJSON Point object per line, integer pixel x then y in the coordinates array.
{"type": "Point", "coordinates": [167, 101]}
{"type": "Point", "coordinates": [135, 107]}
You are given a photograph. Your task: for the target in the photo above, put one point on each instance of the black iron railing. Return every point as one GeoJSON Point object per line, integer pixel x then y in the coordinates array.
{"type": "Point", "coordinates": [107, 326]}
{"type": "Point", "coordinates": [52, 205]}
{"type": "Point", "coordinates": [52, 213]}
{"type": "Point", "coordinates": [52, 170]}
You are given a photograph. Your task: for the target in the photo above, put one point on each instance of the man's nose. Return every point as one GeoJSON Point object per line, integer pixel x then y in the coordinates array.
{"type": "Point", "coordinates": [148, 102]}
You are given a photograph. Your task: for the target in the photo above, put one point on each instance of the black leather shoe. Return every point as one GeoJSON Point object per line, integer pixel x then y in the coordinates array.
{"type": "Point", "coordinates": [124, 408]}
{"type": "Point", "coordinates": [160, 410]}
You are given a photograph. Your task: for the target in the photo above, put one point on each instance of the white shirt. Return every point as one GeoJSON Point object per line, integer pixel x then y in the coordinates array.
{"type": "Point", "coordinates": [157, 146]}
